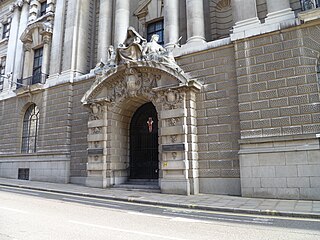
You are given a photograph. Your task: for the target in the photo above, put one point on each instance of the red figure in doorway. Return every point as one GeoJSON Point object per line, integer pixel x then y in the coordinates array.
{"type": "Point", "coordinates": [150, 122]}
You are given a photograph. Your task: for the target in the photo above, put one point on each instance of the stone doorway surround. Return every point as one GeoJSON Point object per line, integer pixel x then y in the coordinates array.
{"type": "Point", "coordinates": [119, 90]}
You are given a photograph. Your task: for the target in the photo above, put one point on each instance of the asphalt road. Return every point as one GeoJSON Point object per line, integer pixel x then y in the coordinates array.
{"type": "Point", "coordinates": [29, 214]}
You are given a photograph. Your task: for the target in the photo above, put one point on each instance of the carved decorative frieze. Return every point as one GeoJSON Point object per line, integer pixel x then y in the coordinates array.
{"type": "Point", "coordinates": [171, 98]}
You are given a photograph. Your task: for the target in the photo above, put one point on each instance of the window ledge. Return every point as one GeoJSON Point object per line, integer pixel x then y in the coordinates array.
{"type": "Point", "coordinates": [309, 15]}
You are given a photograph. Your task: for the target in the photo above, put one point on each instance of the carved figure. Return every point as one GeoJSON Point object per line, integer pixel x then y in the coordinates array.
{"type": "Point", "coordinates": [131, 49]}
{"type": "Point", "coordinates": [153, 50]}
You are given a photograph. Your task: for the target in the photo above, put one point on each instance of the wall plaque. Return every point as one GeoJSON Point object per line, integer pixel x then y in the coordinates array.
{"type": "Point", "coordinates": [95, 151]}
{"type": "Point", "coordinates": [173, 147]}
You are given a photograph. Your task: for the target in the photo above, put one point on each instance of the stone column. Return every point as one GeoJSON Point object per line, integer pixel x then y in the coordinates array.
{"type": "Point", "coordinates": [122, 14]}
{"type": "Point", "coordinates": [27, 69]}
{"type": "Point", "coordinates": [246, 19]}
{"type": "Point", "coordinates": [195, 21]}
{"type": "Point", "coordinates": [105, 26]}
{"type": "Point", "coordinates": [46, 56]}
{"type": "Point", "coordinates": [12, 43]}
{"type": "Point", "coordinates": [171, 22]}
{"type": "Point", "coordinates": [279, 11]}
{"type": "Point", "coordinates": [18, 69]}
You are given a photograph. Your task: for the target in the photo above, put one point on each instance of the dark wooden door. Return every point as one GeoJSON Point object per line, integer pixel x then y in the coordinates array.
{"type": "Point", "coordinates": [144, 143]}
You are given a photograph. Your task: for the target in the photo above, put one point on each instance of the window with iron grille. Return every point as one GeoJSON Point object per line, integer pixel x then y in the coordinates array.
{"type": "Point", "coordinates": [309, 4]}
{"type": "Point", "coordinates": [30, 130]}
{"type": "Point", "coordinates": [43, 8]}
{"type": "Point", "coordinates": [2, 71]}
{"type": "Point", "coordinates": [37, 65]}
{"type": "Point", "coordinates": [5, 30]}
{"type": "Point", "coordinates": [156, 28]}
{"type": "Point", "coordinates": [318, 71]}
{"type": "Point", "coordinates": [23, 173]}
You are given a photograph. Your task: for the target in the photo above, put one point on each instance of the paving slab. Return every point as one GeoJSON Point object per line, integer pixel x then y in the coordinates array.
{"type": "Point", "coordinates": [208, 202]}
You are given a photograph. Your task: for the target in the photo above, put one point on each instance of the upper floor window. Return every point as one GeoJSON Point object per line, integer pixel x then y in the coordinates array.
{"type": "Point", "coordinates": [5, 30]}
{"type": "Point", "coordinates": [30, 129]}
{"type": "Point", "coordinates": [156, 28]}
{"type": "Point", "coordinates": [2, 71]}
{"type": "Point", "coordinates": [309, 4]}
{"type": "Point", "coordinates": [318, 70]}
{"type": "Point", "coordinates": [43, 8]}
{"type": "Point", "coordinates": [37, 65]}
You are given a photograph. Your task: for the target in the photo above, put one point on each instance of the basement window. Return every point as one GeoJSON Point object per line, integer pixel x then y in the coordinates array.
{"type": "Point", "coordinates": [23, 173]}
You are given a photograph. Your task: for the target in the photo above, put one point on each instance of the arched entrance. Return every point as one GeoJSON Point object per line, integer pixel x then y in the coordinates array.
{"type": "Point", "coordinates": [144, 153]}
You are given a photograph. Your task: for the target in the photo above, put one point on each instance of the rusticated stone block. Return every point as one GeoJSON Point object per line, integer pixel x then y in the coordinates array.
{"type": "Point", "coordinates": [283, 55]}
{"type": "Point", "coordinates": [270, 113]}
{"type": "Point", "coordinates": [268, 94]}
{"type": "Point", "coordinates": [254, 52]}
{"type": "Point", "coordinates": [245, 125]}
{"type": "Point", "coordinates": [288, 91]}
{"type": "Point", "coordinates": [279, 102]}
{"type": "Point", "coordinates": [298, 100]}
{"type": "Point", "coordinates": [314, 97]}
{"type": "Point", "coordinates": [244, 107]}
{"type": "Point", "coordinates": [273, 48]}
{"type": "Point", "coordinates": [260, 105]}
{"type": "Point", "coordinates": [310, 108]}
{"type": "Point", "coordinates": [248, 97]}
{"type": "Point", "coordinates": [276, 83]}
{"type": "Point", "coordinates": [292, 130]}
{"type": "Point", "coordinates": [251, 133]}
{"type": "Point", "coordinates": [308, 88]}
{"type": "Point", "coordinates": [271, 132]}
{"type": "Point", "coordinates": [301, 70]}
{"type": "Point", "coordinates": [262, 123]}
{"type": "Point", "coordinates": [301, 119]}
{"type": "Point", "coordinates": [292, 62]}
{"type": "Point", "coordinates": [256, 87]}
{"type": "Point", "coordinates": [287, 72]}
{"type": "Point", "coordinates": [282, 121]}
{"type": "Point", "coordinates": [288, 111]}
{"type": "Point", "coordinates": [264, 58]}
{"type": "Point", "coordinates": [274, 66]}
{"type": "Point", "coordinates": [312, 128]}
{"type": "Point", "coordinates": [249, 115]}
{"type": "Point", "coordinates": [266, 77]}
{"type": "Point", "coordinates": [262, 41]}
{"type": "Point", "coordinates": [297, 80]}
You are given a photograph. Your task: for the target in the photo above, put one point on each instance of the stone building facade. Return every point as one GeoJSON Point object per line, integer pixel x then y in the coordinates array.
{"type": "Point", "coordinates": [235, 112]}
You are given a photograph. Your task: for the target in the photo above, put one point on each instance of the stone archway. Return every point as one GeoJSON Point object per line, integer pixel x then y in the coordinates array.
{"type": "Point", "coordinates": [115, 97]}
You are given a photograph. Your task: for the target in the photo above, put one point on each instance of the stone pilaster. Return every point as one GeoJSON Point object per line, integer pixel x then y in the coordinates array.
{"type": "Point", "coordinates": [195, 21]}
{"type": "Point", "coordinates": [105, 26]}
{"type": "Point", "coordinates": [122, 14]}
{"type": "Point", "coordinates": [171, 22]}
{"type": "Point", "coordinates": [18, 69]}
{"type": "Point", "coordinates": [12, 43]}
{"type": "Point", "coordinates": [46, 55]}
{"type": "Point", "coordinates": [57, 37]}
{"type": "Point", "coordinates": [245, 18]}
{"type": "Point", "coordinates": [27, 69]}
{"type": "Point", "coordinates": [279, 11]}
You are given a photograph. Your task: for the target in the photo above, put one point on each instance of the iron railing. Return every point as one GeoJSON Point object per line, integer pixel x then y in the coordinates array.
{"type": "Point", "coordinates": [309, 4]}
{"type": "Point", "coordinates": [34, 79]}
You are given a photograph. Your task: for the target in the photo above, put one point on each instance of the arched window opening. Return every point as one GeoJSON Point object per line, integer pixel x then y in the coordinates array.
{"type": "Point", "coordinates": [30, 129]}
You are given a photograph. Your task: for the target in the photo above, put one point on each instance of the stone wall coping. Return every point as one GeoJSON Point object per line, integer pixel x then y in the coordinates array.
{"type": "Point", "coordinates": [279, 138]}
{"type": "Point", "coordinates": [279, 149]}
{"type": "Point", "coordinates": [18, 155]}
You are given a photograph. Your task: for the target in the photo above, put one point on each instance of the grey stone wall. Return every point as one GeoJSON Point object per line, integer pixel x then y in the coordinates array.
{"type": "Point", "coordinates": [79, 132]}
{"type": "Point", "coordinates": [217, 119]}
{"type": "Point", "coordinates": [279, 114]}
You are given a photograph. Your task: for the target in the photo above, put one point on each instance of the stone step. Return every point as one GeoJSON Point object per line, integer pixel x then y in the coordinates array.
{"type": "Point", "coordinates": [139, 186]}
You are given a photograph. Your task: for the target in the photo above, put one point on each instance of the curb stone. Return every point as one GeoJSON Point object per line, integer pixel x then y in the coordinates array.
{"type": "Point", "coordinates": [177, 205]}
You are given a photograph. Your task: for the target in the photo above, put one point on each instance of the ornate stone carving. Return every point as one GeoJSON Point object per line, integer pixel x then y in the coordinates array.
{"type": "Point", "coordinates": [173, 121]}
{"type": "Point", "coordinates": [136, 49]}
{"type": "Point", "coordinates": [96, 130]}
{"type": "Point", "coordinates": [174, 155]}
{"type": "Point", "coordinates": [133, 82]}
{"type": "Point", "coordinates": [173, 138]}
{"type": "Point", "coordinates": [96, 111]}
{"type": "Point", "coordinates": [171, 98]}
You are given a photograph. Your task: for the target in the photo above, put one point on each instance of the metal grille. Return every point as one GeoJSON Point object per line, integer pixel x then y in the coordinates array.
{"type": "Point", "coordinates": [23, 173]}
{"type": "Point", "coordinates": [144, 158]}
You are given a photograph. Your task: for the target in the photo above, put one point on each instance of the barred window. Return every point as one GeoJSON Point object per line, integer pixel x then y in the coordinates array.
{"type": "Point", "coordinates": [156, 28]}
{"type": "Point", "coordinates": [318, 71]}
{"type": "Point", "coordinates": [30, 129]}
{"type": "Point", "coordinates": [309, 4]}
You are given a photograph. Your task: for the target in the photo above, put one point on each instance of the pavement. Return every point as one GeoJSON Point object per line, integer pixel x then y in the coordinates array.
{"type": "Point", "coordinates": [207, 202]}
